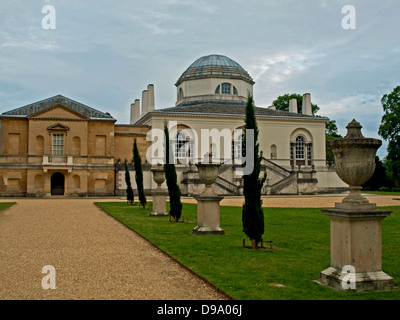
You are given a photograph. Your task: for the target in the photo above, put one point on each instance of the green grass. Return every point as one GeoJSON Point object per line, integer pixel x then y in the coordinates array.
{"type": "Point", "coordinates": [5, 205]}
{"type": "Point", "coordinates": [383, 193]}
{"type": "Point", "coordinates": [301, 251]}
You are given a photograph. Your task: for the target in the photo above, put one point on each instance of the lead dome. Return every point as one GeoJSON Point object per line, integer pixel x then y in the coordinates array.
{"type": "Point", "coordinates": [214, 78]}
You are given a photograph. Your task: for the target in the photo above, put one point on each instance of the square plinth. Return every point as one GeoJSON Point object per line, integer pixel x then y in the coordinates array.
{"type": "Point", "coordinates": [208, 215]}
{"type": "Point", "coordinates": [355, 237]}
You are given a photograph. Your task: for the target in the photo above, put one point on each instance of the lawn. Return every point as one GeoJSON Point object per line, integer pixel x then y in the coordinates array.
{"type": "Point", "coordinates": [5, 205]}
{"type": "Point", "coordinates": [383, 193]}
{"type": "Point", "coordinates": [300, 251]}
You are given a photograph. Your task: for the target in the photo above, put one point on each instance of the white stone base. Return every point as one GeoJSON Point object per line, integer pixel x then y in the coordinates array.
{"type": "Point", "coordinates": [359, 281]}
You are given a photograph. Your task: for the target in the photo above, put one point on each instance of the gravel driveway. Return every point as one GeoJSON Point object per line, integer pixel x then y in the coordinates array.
{"type": "Point", "coordinates": [94, 256]}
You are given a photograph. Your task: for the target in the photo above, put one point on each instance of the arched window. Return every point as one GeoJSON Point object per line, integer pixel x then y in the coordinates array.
{"type": "Point", "coordinates": [274, 152]}
{"type": "Point", "coordinates": [183, 146]}
{"type": "Point", "coordinates": [226, 88]}
{"type": "Point", "coordinates": [237, 147]}
{"type": "Point", "coordinates": [299, 148]}
{"type": "Point", "coordinates": [235, 92]}
{"type": "Point", "coordinates": [218, 89]}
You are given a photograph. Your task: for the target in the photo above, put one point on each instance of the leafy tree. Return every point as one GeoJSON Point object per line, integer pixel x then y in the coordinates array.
{"type": "Point", "coordinates": [390, 130]}
{"type": "Point", "coordinates": [137, 161]}
{"type": "Point", "coordinates": [171, 179]}
{"type": "Point", "coordinates": [282, 103]}
{"type": "Point", "coordinates": [331, 133]}
{"type": "Point", "coordinates": [129, 190]}
{"type": "Point", "coordinates": [252, 212]}
{"type": "Point", "coordinates": [379, 178]}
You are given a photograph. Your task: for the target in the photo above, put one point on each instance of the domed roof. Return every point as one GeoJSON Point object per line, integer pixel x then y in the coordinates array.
{"type": "Point", "coordinates": [215, 66]}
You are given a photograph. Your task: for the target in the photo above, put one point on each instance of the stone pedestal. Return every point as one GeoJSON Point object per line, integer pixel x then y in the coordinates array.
{"type": "Point", "coordinates": [356, 250]}
{"type": "Point", "coordinates": [159, 203]}
{"type": "Point", "coordinates": [208, 215]}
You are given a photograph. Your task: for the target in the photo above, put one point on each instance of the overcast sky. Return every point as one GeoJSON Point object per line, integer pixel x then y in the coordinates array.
{"type": "Point", "coordinates": [105, 53]}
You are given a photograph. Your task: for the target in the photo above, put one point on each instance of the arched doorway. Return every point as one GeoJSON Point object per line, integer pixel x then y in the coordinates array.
{"type": "Point", "coordinates": [57, 184]}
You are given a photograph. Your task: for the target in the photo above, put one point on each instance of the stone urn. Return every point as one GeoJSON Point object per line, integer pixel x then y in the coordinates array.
{"type": "Point", "coordinates": [159, 194]}
{"type": "Point", "coordinates": [355, 163]}
{"type": "Point", "coordinates": [355, 224]}
{"type": "Point", "coordinates": [208, 208]}
{"type": "Point", "coordinates": [158, 175]}
{"type": "Point", "coordinates": [208, 173]}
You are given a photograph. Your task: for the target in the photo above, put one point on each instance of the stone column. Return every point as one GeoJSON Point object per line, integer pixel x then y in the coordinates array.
{"type": "Point", "coordinates": [355, 224]}
{"type": "Point", "coordinates": [159, 194]}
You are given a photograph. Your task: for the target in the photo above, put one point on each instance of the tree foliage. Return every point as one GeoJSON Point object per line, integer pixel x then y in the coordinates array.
{"type": "Point", "coordinates": [390, 130]}
{"type": "Point", "coordinates": [171, 179]}
{"type": "Point", "coordinates": [129, 190]}
{"type": "Point", "coordinates": [282, 103]}
{"type": "Point", "coordinates": [137, 161]}
{"type": "Point", "coordinates": [379, 179]}
{"type": "Point", "coordinates": [252, 212]}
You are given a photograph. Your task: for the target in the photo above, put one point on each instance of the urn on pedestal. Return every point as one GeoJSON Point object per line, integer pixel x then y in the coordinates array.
{"type": "Point", "coordinates": [208, 211]}
{"type": "Point", "coordinates": [159, 194]}
{"type": "Point", "coordinates": [355, 224]}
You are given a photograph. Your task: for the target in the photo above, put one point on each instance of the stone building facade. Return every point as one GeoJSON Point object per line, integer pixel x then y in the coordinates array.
{"type": "Point", "coordinates": [62, 147]}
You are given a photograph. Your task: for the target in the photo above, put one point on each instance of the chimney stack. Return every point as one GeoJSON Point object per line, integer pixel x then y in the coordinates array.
{"type": "Point", "coordinates": [293, 105]}
{"type": "Point", "coordinates": [144, 102]}
{"type": "Point", "coordinates": [135, 111]}
{"type": "Point", "coordinates": [307, 109]}
{"type": "Point", "coordinates": [150, 98]}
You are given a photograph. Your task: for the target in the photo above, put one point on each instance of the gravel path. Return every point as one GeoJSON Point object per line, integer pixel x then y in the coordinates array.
{"type": "Point", "coordinates": [94, 256]}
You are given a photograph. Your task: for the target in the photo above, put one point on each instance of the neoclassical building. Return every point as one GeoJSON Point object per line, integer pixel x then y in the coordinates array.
{"type": "Point", "coordinates": [62, 147]}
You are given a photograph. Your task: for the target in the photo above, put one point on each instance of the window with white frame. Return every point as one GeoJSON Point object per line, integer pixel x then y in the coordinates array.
{"type": "Point", "coordinates": [183, 146]}
{"type": "Point", "coordinates": [237, 147]}
{"type": "Point", "coordinates": [300, 148]}
{"type": "Point", "coordinates": [58, 144]}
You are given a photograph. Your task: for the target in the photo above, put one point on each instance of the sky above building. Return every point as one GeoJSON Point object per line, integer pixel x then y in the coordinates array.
{"type": "Point", "coordinates": [105, 53]}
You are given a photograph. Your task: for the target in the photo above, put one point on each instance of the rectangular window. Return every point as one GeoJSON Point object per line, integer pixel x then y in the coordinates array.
{"type": "Point", "coordinates": [58, 144]}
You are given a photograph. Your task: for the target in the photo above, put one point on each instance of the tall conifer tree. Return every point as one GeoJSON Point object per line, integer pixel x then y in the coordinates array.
{"type": "Point", "coordinates": [129, 191]}
{"type": "Point", "coordinates": [171, 178]}
{"type": "Point", "coordinates": [252, 212]}
{"type": "Point", "coordinates": [137, 161]}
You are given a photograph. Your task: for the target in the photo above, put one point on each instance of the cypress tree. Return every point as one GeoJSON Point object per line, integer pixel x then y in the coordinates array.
{"type": "Point", "coordinates": [252, 212]}
{"type": "Point", "coordinates": [137, 161]}
{"type": "Point", "coordinates": [129, 191]}
{"type": "Point", "coordinates": [171, 178]}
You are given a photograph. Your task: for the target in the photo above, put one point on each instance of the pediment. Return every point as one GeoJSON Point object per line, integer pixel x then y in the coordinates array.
{"type": "Point", "coordinates": [58, 127]}
{"type": "Point", "coordinates": [58, 112]}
